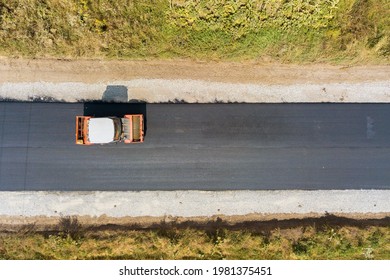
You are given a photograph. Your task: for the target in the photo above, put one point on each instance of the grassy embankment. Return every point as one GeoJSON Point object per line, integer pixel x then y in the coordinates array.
{"type": "Point", "coordinates": [335, 31]}
{"type": "Point", "coordinates": [306, 240]}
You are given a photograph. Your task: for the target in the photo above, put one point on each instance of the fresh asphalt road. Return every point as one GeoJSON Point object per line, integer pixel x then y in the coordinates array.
{"type": "Point", "coordinates": [199, 146]}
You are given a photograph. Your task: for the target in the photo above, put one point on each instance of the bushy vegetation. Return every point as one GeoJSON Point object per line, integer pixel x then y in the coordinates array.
{"type": "Point", "coordinates": [287, 31]}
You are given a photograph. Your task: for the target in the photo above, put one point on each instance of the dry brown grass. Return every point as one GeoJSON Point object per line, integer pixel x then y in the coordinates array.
{"type": "Point", "coordinates": [294, 239]}
{"type": "Point", "coordinates": [353, 31]}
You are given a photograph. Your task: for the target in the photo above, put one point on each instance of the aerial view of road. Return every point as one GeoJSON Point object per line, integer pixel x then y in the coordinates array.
{"type": "Point", "coordinates": [199, 147]}
{"type": "Point", "coordinates": [195, 130]}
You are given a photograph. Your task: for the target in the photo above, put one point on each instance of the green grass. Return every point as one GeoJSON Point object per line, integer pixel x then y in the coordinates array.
{"type": "Point", "coordinates": [71, 240]}
{"type": "Point", "coordinates": [353, 31]}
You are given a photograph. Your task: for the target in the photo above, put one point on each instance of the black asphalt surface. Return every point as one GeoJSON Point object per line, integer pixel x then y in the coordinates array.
{"type": "Point", "coordinates": [199, 146]}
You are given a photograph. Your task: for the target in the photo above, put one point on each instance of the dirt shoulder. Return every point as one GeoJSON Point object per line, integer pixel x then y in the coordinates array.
{"type": "Point", "coordinates": [236, 222]}
{"type": "Point", "coordinates": [97, 71]}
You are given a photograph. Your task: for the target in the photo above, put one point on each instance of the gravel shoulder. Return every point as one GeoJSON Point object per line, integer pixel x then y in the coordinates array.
{"type": "Point", "coordinates": [190, 81]}
{"type": "Point", "coordinates": [147, 208]}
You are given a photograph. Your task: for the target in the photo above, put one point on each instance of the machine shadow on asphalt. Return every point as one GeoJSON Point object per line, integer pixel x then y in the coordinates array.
{"type": "Point", "coordinates": [110, 109]}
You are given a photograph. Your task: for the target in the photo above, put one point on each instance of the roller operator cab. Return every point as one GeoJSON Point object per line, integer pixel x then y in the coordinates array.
{"type": "Point", "coordinates": [90, 130]}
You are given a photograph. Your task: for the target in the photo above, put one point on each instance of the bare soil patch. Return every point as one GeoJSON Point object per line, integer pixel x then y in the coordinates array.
{"type": "Point", "coordinates": [103, 71]}
{"type": "Point", "coordinates": [253, 222]}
